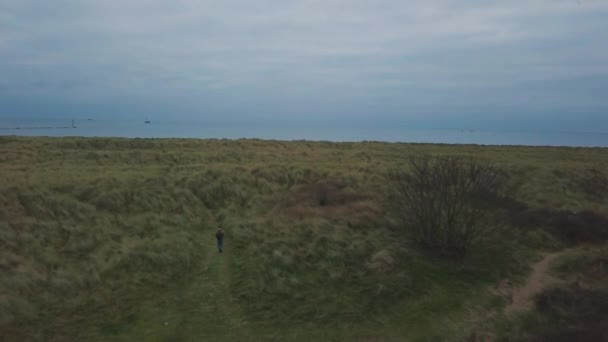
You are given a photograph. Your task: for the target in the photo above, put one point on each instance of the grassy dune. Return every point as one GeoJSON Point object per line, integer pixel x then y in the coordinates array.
{"type": "Point", "coordinates": [112, 239]}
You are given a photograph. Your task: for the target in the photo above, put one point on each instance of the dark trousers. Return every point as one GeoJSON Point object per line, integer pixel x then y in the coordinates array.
{"type": "Point", "coordinates": [220, 245]}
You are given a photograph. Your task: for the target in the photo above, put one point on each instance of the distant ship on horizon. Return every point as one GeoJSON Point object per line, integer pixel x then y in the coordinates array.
{"type": "Point", "coordinates": [147, 121]}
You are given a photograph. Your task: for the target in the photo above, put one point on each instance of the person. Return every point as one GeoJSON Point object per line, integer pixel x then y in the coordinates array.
{"type": "Point", "coordinates": [219, 235]}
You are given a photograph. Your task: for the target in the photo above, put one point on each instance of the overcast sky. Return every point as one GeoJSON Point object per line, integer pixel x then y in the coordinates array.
{"type": "Point", "coordinates": [444, 63]}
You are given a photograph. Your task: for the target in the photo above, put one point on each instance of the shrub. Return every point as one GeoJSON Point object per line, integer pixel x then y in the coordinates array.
{"type": "Point", "coordinates": [582, 314]}
{"type": "Point", "coordinates": [444, 202]}
{"type": "Point", "coordinates": [595, 184]}
{"type": "Point", "coordinates": [571, 227]}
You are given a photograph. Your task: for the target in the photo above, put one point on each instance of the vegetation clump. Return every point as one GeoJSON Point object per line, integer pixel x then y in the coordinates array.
{"type": "Point", "coordinates": [445, 203]}
{"type": "Point", "coordinates": [595, 183]}
{"type": "Point", "coordinates": [569, 226]}
{"type": "Point", "coordinates": [582, 314]}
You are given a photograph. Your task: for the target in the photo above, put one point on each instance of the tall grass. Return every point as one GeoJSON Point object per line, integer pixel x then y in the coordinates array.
{"type": "Point", "coordinates": [89, 226]}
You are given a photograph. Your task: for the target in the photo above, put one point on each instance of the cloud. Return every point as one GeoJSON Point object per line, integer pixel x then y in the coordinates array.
{"type": "Point", "coordinates": [326, 55]}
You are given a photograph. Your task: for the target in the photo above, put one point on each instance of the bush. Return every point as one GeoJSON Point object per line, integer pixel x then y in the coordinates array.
{"type": "Point", "coordinates": [595, 183]}
{"type": "Point", "coordinates": [582, 313]}
{"type": "Point", "coordinates": [570, 227]}
{"type": "Point", "coordinates": [444, 203]}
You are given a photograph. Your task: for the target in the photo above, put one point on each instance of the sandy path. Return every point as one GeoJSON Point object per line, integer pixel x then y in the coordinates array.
{"type": "Point", "coordinates": [523, 297]}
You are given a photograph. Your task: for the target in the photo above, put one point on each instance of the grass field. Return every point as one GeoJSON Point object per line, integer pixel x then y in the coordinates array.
{"type": "Point", "coordinates": [113, 239]}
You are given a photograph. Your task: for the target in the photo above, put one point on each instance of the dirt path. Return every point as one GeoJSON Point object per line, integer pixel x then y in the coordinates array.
{"type": "Point", "coordinates": [523, 297]}
{"type": "Point", "coordinates": [202, 308]}
{"type": "Point", "coordinates": [223, 278]}
{"type": "Point", "coordinates": [227, 311]}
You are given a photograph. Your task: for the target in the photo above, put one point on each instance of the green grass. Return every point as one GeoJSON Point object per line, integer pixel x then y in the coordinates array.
{"type": "Point", "coordinates": [109, 239]}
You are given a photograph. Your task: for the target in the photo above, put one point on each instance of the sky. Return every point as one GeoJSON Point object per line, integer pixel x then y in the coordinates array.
{"type": "Point", "coordinates": [445, 64]}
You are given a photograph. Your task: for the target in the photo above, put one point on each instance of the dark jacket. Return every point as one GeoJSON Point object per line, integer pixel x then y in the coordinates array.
{"type": "Point", "coordinates": [219, 235]}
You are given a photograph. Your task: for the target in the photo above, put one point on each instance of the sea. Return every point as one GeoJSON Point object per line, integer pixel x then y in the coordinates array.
{"type": "Point", "coordinates": [337, 133]}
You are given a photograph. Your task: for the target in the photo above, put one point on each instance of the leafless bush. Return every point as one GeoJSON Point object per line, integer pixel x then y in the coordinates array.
{"type": "Point", "coordinates": [445, 203]}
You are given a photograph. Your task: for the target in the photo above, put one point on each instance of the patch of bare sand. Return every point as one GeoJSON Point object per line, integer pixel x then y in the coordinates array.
{"type": "Point", "coordinates": [522, 298]}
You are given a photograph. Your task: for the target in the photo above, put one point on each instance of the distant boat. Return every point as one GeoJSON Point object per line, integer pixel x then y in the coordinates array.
{"type": "Point", "coordinates": [147, 121]}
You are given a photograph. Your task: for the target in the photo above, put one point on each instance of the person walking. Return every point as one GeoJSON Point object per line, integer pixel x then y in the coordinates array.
{"type": "Point", "coordinates": [219, 235]}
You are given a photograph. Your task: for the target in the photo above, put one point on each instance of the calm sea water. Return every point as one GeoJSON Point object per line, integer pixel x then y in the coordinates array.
{"type": "Point", "coordinates": [192, 129]}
